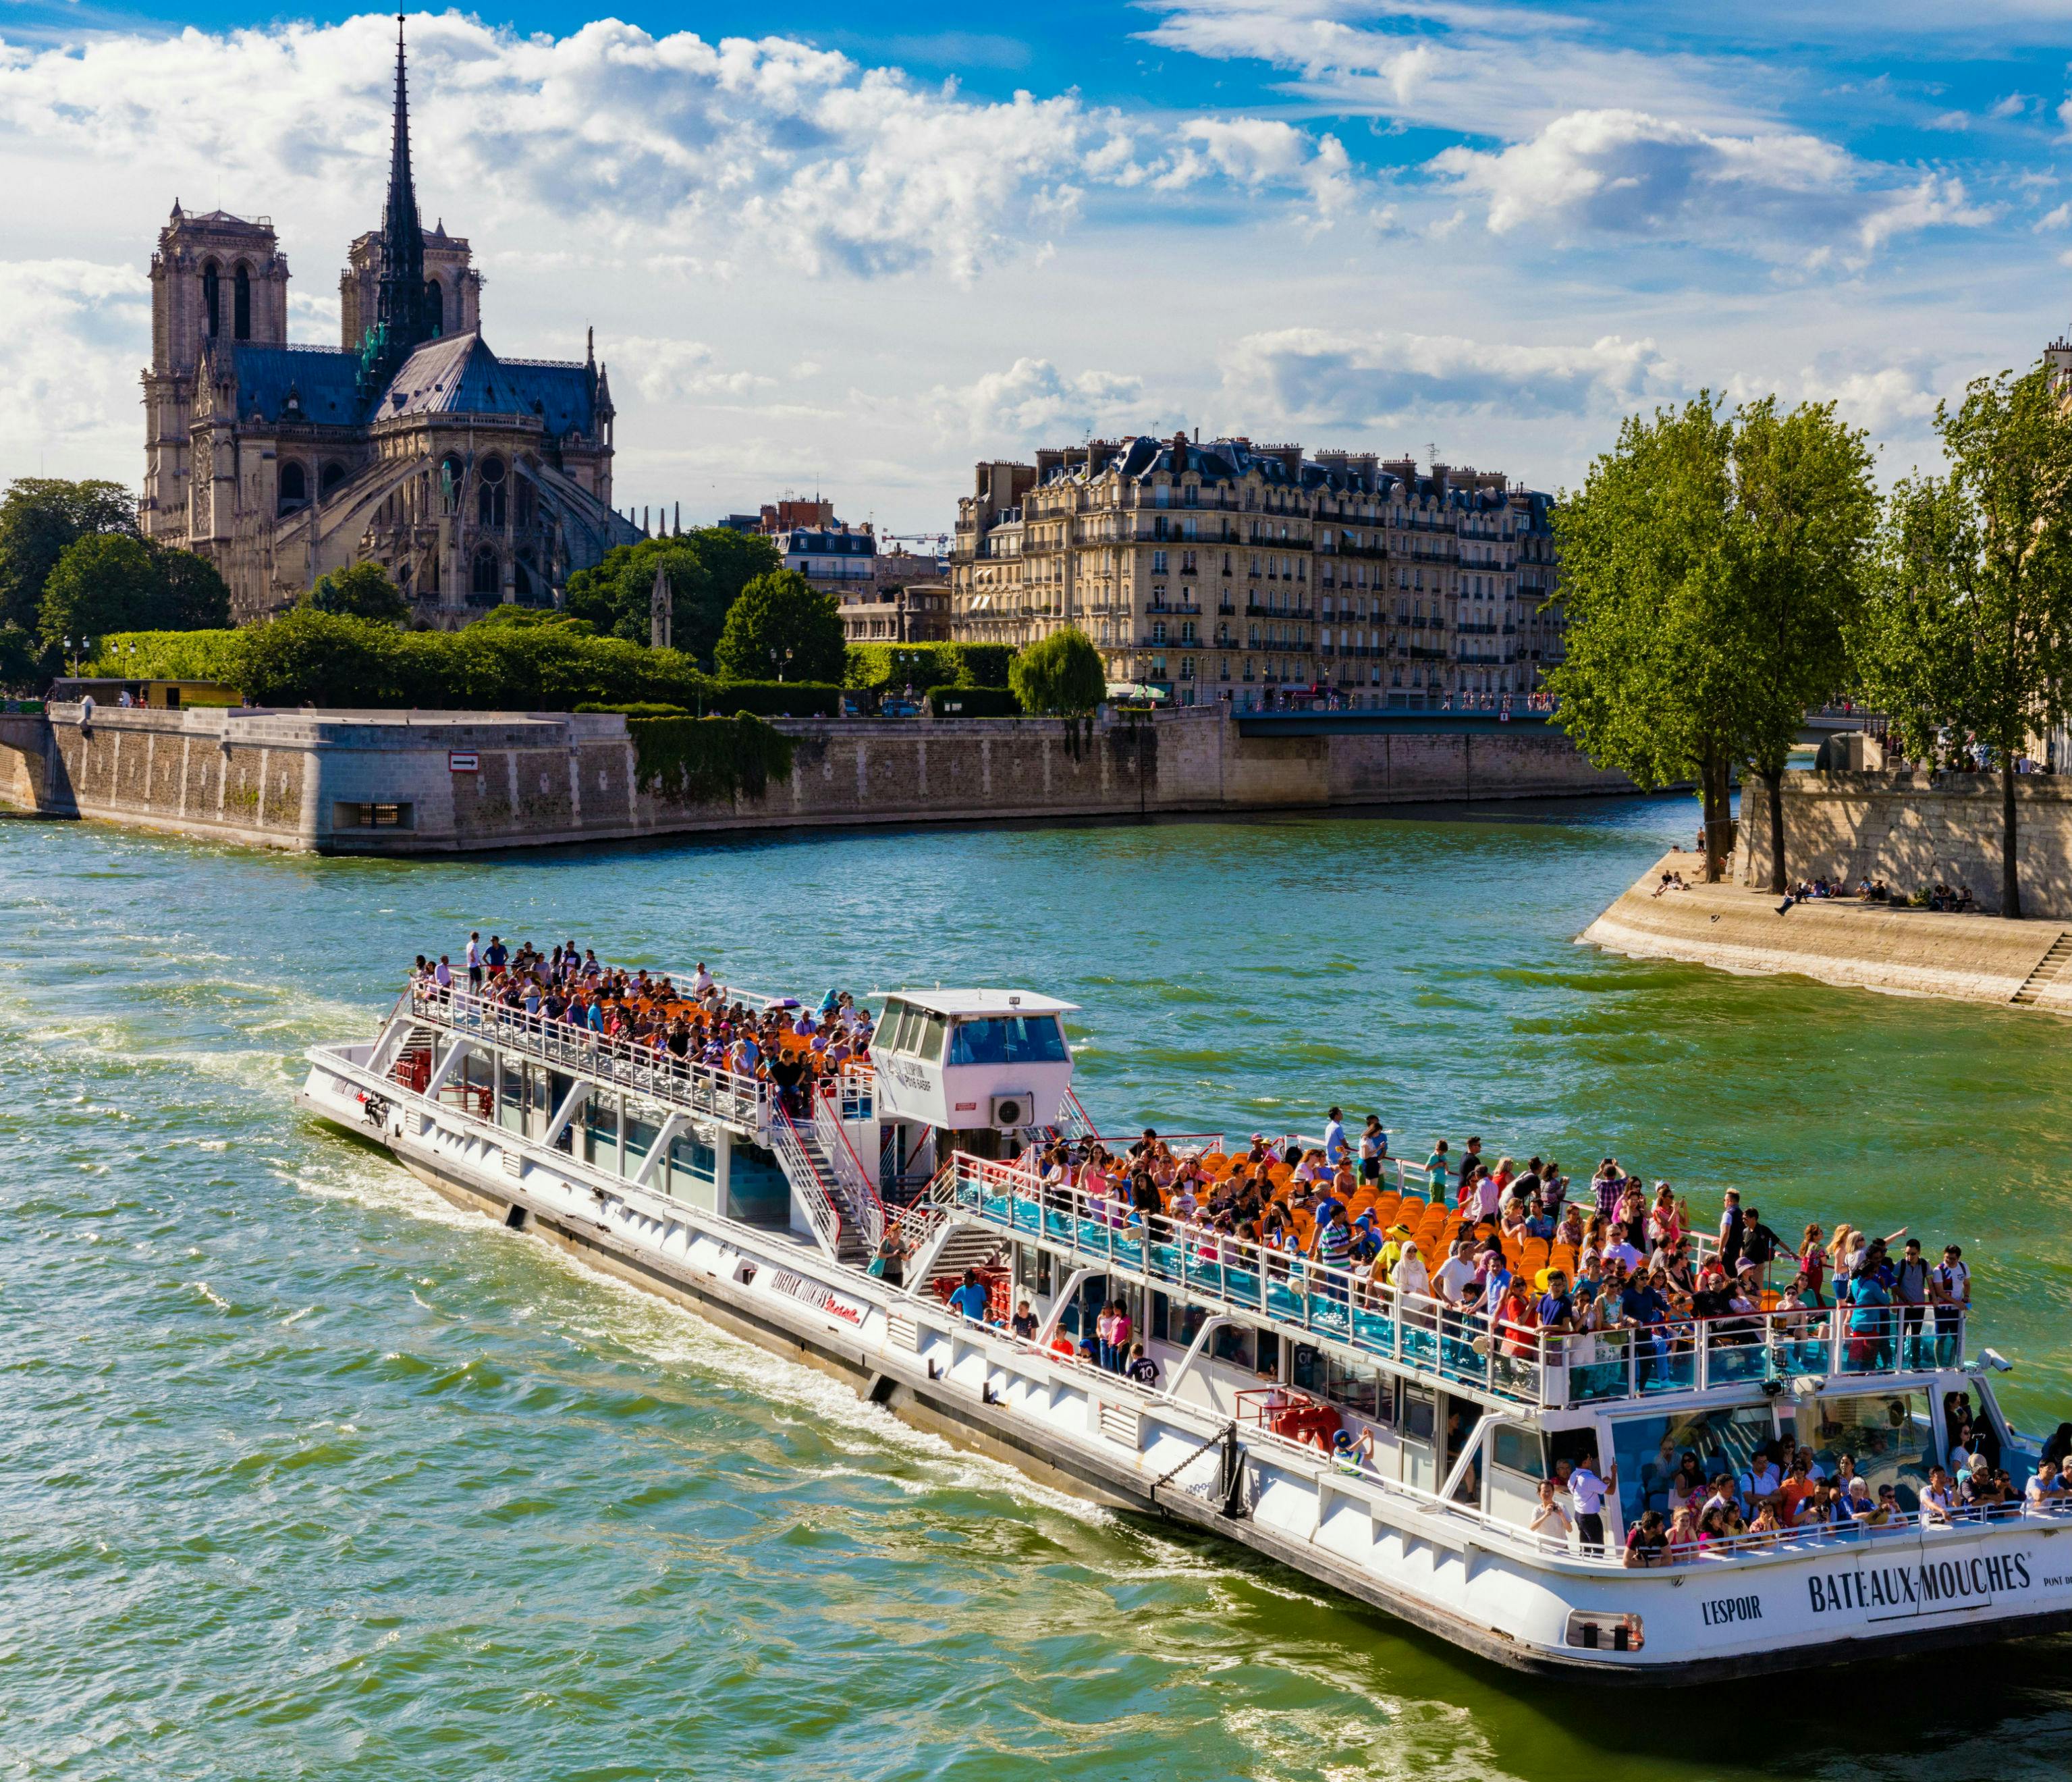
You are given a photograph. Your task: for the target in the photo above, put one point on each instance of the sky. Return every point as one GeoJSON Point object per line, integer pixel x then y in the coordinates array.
{"type": "Point", "coordinates": [854, 249]}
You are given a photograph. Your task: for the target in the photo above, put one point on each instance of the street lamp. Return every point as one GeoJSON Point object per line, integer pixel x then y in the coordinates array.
{"type": "Point", "coordinates": [780, 658]}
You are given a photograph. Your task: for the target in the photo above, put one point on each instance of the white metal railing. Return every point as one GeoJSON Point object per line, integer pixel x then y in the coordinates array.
{"type": "Point", "coordinates": [815, 1192]}
{"type": "Point", "coordinates": [1417, 1335]}
{"type": "Point", "coordinates": [852, 1178]}
{"type": "Point", "coordinates": [655, 1072]}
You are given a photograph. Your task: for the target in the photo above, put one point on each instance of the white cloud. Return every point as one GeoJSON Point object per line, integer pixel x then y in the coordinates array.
{"type": "Point", "coordinates": [672, 142]}
{"type": "Point", "coordinates": [1340, 378]}
{"type": "Point", "coordinates": [1628, 173]}
{"type": "Point", "coordinates": [1032, 401]}
{"type": "Point", "coordinates": [2013, 106]}
{"type": "Point", "coordinates": [1254, 152]}
{"type": "Point", "coordinates": [77, 335]}
{"type": "Point", "coordinates": [675, 371]}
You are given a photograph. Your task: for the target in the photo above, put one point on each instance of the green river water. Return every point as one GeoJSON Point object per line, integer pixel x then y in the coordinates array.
{"type": "Point", "coordinates": [305, 1473]}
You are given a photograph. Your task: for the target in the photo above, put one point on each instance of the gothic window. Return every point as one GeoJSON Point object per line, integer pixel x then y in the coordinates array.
{"type": "Point", "coordinates": [490, 499]}
{"type": "Point", "coordinates": [211, 299]}
{"type": "Point", "coordinates": [295, 487]}
{"type": "Point", "coordinates": [329, 477]}
{"type": "Point", "coordinates": [435, 309]}
{"type": "Point", "coordinates": [488, 583]}
{"type": "Point", "coordinates": [451, 472]}
{"type": "Point", "coordinates": [241, 305]}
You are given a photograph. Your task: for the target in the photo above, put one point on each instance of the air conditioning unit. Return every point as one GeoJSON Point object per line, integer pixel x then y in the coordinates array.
{"type": "Point", "coordinates": [1015, 1109]}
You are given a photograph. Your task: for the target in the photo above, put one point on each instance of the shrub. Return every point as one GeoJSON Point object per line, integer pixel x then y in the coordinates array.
{"type": "Point", "coordinates": [776, 698]}
{"type": "Point", "coordinates": [974, 702]}
{"type": "Point", "coordinates": [172, 656]}
{"type": "Point", "coordinates": [877, 666]}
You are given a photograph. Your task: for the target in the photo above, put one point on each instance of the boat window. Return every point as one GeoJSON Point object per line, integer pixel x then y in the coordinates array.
{"type": "Point", "coordinates": [1886, 1433]}
{"type": "Point", "coordinates": [1650, 1449]}
{"type": "Point", "coordinates": [1367, 1390]}
{"type": "Point", "coordinates": [928, 1046]}
{"type": "Point", "coordinates": [892, 1029]}
{"type": "Point", "coordinates": [1233, 1342]}
{"type": "Point", "coordinates": [511, 1095]}
{"type": "Point", "coordinates": [600, 1120]}
{"type": "Point", "coordinates": [1518, 1450]}
{"type": "Point", "coordinates": [1008, 1039]}
{"type": "Point", "coordinates": [1420, 1415]}
{"type": "Point", "coordinates": [641, 1136]}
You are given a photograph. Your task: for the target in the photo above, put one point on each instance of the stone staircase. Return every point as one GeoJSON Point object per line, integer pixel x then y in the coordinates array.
{"type": "Point", "coordinates": [2048, 969]}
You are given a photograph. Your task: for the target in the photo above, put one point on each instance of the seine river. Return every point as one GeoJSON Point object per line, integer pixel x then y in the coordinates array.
{"type": "Point", "coordinates": [303, 1474]}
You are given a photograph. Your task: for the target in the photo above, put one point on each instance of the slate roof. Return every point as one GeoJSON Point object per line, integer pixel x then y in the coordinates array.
{"type": "Point", "coordinates": [458, 375]}
{"type": "Point", "coordinates": [326, 381]}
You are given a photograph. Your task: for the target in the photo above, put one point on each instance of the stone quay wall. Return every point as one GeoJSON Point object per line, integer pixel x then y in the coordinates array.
{"type": "Point", "coordinates": [425, 782]}
{"type": "Point", "coordinates": [1914, 828]}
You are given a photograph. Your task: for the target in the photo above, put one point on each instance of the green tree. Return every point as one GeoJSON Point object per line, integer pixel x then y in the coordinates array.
{"type": "Point", "coordinates": [39, 517]}
{"type": "Point", "coordinates": [1803, 516]}
{"type": "Point", "coordinates": [707, 570]}
{"type": "Point", "coordinates": [102, 581]}
{"type": "Point", "coordinates": [1062, 673]}
{"type": "Point", "coordinates": [781, 628]}
{"type": "Point", "coordinates": [1709, 566]}
{"type": "Point", "coordinates": [360, 590]}
{"type": "Point", "coordinates": [195, 598]}
{"type": "Point", "coordinates": [19, 658]}
{"type": "Point", "coordinates": [1969, 629]}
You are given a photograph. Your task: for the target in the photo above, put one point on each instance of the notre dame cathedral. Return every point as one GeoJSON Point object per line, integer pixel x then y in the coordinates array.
{"type": "Point", "coordinates": [473, 480]}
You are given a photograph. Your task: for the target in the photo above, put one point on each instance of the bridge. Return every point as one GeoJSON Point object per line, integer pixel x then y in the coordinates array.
{"type": "Point", "coordinates": [1818, 726]}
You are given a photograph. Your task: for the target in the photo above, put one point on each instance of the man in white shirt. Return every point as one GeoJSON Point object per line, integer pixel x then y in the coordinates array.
{"type": "Point", "coordinates": [2043, 1491]}
{"type": "Point", "coordinates": [1625, 1255]}
{"type": "Point", "coordinates": [1456, 1274]}
{"type": "Point", "coordinates": [475, 964]}
{"type": "Point", "coordinates": [1335, 1138]}
{"type": "Point", "coordinates": [701, 981]}
{"type": "Point", "coordinates": [1589, 1490]}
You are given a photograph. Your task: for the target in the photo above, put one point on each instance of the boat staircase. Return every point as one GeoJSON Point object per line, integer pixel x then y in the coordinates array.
{"type": "Point", "coordinates": [2049, 968]}
{"type": "Point", "coordinates": [841, 1217]}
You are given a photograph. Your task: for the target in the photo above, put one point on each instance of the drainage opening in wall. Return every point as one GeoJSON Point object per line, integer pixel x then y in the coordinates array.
{"type": "Point", "coordinates": [346, 816]}
{"type": "Point", "coordinates": [515, 1218]}
{"type": "Point", "coordinates": [746, 1274]}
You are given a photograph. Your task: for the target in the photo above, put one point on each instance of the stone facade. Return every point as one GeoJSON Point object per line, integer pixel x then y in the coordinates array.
{"type": "Point", "coordinates": [473, 480]}
{"type": "Point", "coordinates": [396, 783]}
{"type": "Point", "coordinates": [1231, 570]}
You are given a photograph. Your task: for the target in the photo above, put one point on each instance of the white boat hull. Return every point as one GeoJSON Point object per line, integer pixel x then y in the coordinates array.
{"type": "Point", "coordinates": [1092, 1434]}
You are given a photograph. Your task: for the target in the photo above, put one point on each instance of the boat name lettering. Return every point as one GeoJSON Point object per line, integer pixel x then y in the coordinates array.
{"type": "Point", "coordinates": [1724, 1610]}
{"type": "Point", "coordinates": [1935, 1581]}
{"type": "Point", "coordinates": [820, 1297]}
{"type": "Point", "coordinates": [908, 1075]}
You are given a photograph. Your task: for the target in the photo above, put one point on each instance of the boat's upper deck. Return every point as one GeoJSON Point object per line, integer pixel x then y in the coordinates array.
{"type": "Point", "coordinates": [1419, 1337]}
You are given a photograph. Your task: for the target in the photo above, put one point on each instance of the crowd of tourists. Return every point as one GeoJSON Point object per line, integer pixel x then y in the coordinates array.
{"type": "Point", "coordinates": [1506, 1249]}
{"type": "Point", "coordinates": [787, 1044]}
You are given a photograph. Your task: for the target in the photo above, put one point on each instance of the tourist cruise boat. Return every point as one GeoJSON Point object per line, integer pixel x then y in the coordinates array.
{"type": "Point", "coordinates": [702, 1186]}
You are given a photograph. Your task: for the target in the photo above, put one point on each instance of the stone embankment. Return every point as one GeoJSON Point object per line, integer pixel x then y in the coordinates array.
{"type": "Point", "coordinates": [429, 781]}
{"type": "Point", "coordinates": [1736, 929]}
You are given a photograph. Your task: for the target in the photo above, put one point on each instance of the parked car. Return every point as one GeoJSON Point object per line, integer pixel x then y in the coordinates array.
{"type": "Point", "coordinates": [898, 708]}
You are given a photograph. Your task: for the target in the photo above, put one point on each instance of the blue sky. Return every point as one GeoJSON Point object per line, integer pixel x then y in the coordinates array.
{"type": "Point", "coordinates": [859, 246]}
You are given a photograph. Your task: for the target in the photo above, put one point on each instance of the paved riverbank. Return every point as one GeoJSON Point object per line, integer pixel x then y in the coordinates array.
{"type": "Point", "coordinates": [1971, 958]}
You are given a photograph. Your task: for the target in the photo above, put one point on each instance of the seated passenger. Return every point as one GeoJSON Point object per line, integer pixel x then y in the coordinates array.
{"type": "Point", "coordinates": [1647, 1542]}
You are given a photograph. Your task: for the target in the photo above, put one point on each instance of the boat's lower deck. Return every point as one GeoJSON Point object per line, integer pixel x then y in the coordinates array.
{"type": "Point", "coordinates": [1389, 1544]}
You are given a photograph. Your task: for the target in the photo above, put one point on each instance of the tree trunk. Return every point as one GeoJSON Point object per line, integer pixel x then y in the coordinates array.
{"type": "Point", "coordinates": [1712, 786]}
{"type": "Point", "coordinates": [2010, 876]}
{"type": "Point", "coordinates": [1772, 781]}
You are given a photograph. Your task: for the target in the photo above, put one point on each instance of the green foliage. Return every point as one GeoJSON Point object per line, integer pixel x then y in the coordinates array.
{"type": "Point", "coordinates": [1969, 628]}
{"type": "Point", "coordinates": [636, 709]}
{"type": "Point", "coordinates": [361, 590]}
{"type": "Point", "coordinates": [707, 570]}
{"type": "Point", "coordinates": [105, 581]}
{"type": "Point", "coordinates": [1061, 673]}
{"type": "Point", "coordinates": [39, 516]}
{"type": "Point", "coordinates": [777, 699]}
{"type": "Point", "coordinates": [1710, 567]}
{"type": "Point", "coordinates": [170, 655]}
{"type": "Point", "coordinates": [897, 666]}
{"type": "Point", "coordinates": [782, 626]}
{"type": "Point", "coordinates": [973, 702]}
{"type": "Point", "coordinates": [532, 618]}
{"type": "Point", "coordinates": [702, 761]}
{"type": "Point", "coordinates": [19, 657]}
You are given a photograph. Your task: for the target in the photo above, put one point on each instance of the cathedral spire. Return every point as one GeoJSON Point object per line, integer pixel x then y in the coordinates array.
{"type": "Point", "coordinates": [402, 310]}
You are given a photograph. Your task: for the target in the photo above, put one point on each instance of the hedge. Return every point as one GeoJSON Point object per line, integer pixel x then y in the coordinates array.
{"type": "Point", "coordinates": [701, 760]}
{"type": "Point", "coordinates": [973, 702]}
{"type": "Point", "coordinates": [776, 698]}
{"type": "Point", "coordinates": [170, 655]}
{"type": "Point", "coordinates": [879, 666]}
